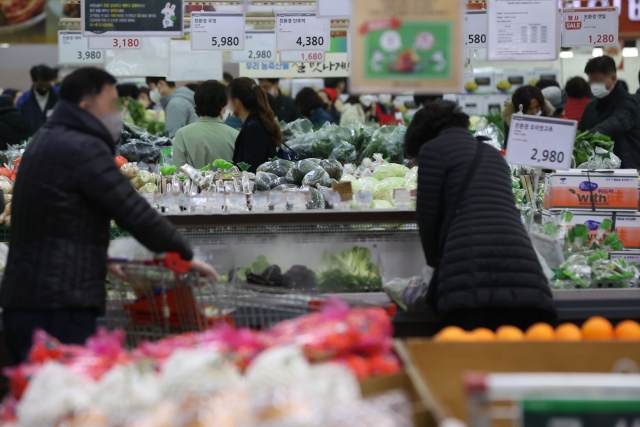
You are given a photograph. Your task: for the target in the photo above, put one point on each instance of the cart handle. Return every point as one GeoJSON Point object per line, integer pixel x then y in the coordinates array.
{"type": "Point", "coordinates": [174, 262]}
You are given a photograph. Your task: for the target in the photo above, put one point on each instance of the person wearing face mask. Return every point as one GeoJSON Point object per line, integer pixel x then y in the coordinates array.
{"type": "Point", "coordinates": [614, 113]}
{"type": "Point", "coordinates": [357, 110]}
{"type": "Point", "coordinates": [38, 103]}
{"type": "Point", "coordinates": [527, 100]}
{"type": "Point", "coordinates": [68, 190]}
{"type": "Point", "coordinates": [209, 138]}
{"type": "Point", "coordinates": [178, 103]}
{"type": "Point", "coordinates": [285, 107]}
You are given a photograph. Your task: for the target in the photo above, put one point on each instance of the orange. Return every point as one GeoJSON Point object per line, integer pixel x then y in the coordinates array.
{"type": "Point", "coordinates": [597, 328]}
{"type": "Point", "coordinates": [452, 333]}
{"type": "Point", "coordinates": [628, 330]}
{"type": "Point", "coordinates": [540, 332]}
{"type": "Point", "coordinates": [509, 333]}
{"type": "Point", "coordinates": [568, 332]}
{"type": "Point", "coordinates": [483, 334]}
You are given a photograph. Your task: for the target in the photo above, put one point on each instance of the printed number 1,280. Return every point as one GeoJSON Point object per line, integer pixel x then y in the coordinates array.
{"type": "Point", "coordinates": [546, 155]}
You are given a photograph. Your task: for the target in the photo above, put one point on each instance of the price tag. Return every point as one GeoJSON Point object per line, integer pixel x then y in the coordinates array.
{"type": "Point", "coordinates": [301, 56]}
{"type": "Point", "coordinates": [116, 43]}
{"type": "Point", "coordinates": [475, 29]}
{"type": "Point", "coordinates": [541, 142]}
{"type": "Point", "coordinates": [590, 26]}
{"type": "Point", "coordinates": [259, 46]}
{"type": "Point", "coordinates": [364, 197]}
{"type": "Point", "coordinates": [296, 198]}
{"type": "Point", "coordinates": [73, 49]}
{"type": "Point", "coordinates": [333, 8]}
{"type": "Point", "coordinates": [217, 31]}
{"type": "Point", "coordinates": [296, 31]}
{"type": "Point", "coordinates": [276, 198]}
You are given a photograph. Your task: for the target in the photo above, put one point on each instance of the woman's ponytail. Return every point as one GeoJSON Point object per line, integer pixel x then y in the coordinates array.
{"type": "Point", "coordinates": [255, 100]}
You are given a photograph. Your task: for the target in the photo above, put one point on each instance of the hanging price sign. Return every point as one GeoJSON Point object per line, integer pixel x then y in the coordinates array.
{"type": "Point", "coordinates": [217, 31]}
{"type": "Point", "coordinates": [333, 8]}
{"type": "Point", "coordinates": [541, 142]}
{"type": "Point", "coordinates": [590, 26]}
{"type": "Point", "coordinates": [301, 56]}
{"type": "Point", "coordinates": [259, 46]}
{"type": "Point", "coordinates": [73, 49]}
{"type": "Point", "coordinates": [475, 29]}
{"type": "Point", "coordinates": [302, 31]}
{"type": "Point", "coordinates": [115, 43]}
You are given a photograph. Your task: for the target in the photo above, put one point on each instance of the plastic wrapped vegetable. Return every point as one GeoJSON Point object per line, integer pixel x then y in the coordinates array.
{"type": "Point", "coordinates": [317, 177]}
{"type": "Point", "coordinates": [143, 178]}
{"type": "Point", "coordinates": [148, 188]}
{"type": "Point", "coordinates": [368, 183]}
{"type": "Point", "coordinates": [576, 268]}
{"type": "Point", "coordinates": [302, 168]}
{"type": "Point", "coordinates": [317, 199]}
{"type": "Point", "coordinates": [344, 153]}
{"type": "Point", "coordinates": [130, 170]}
{"type": "Point", "coordinates": [279, 181]}
{"type": "Point", "coordinates": [283, 187]}
{"type": "Point", "coordinates": [384, 189]}
{"type": "Point", "coordinates": [390, 170]}
{"type": "Point", "coordinates": [278, 167]}
{"type": "Point", "coordinates": [265, 180]}
{"type": "Point", "coordinates": [333, 168]}
{"type": "Point", "coordinates": [356, 185]}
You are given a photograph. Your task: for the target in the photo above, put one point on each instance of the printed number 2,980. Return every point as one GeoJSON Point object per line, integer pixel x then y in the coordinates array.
{"type": "Point", "coordinates": [552, 156]}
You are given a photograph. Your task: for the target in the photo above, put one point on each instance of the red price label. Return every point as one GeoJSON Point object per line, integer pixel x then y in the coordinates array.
{"type": "Point", "coordinates": [602, 39]}
{"type": "Point", "coordinates": [301, 56]}
{"type": "Point", "coordinates": [114, 43]}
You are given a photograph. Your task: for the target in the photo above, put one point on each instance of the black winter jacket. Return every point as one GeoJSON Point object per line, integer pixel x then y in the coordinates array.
{"type": "Point", "coordinates": [253, 144]}
{"type": "Point", "coordinates": [67, 191]}
{"type": "Point", "coordinates": [486, 259]}
{"type": "Point", "coordinates": [617, 115]}
{"type": "Point", "coordinates": [14, 127]}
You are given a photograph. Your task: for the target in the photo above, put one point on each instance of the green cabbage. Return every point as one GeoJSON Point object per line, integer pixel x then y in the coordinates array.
{"type": "Point", "coordinates": [381, 204]}
{"type": "Point", "coordinates": [355, 184]}
{"type": "Point", "coordinates": [390, 170]}
{"type": "Point", "coordinates": [368, 183]}
{"type": "Point", "coordinates": [384, 190]}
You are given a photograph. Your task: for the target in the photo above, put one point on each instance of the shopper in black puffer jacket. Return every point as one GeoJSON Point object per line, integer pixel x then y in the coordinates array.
{"type": "Point", "coordinates": [486, 270]}
{"type": "Point", "coordinates": [14, 127]}
{"type": "Point", "coordinates": [67, 191]}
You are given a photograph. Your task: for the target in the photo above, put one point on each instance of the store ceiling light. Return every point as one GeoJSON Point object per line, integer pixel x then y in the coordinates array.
{"type": "Point", "coordinates": [597, 51]}
{"type": "Point", "coordinates": [4, 45]}
{"type": "Point", "coordinates": [566, 54]}
{"type": "Point", "coordinates": [630, 52]}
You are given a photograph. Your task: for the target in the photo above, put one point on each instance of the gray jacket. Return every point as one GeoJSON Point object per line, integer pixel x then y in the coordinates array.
{"type": "Point", "coordinates": [179, 110]}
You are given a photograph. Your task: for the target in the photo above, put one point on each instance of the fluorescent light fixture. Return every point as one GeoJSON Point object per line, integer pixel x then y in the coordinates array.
{"type": "Point", "coordinates": [566, 54]}
{"type": "Point", "coordinates": [597, 51]}
{"type": "Point", "coordinates": [4, 45]}
{"type": "Point", "coordinates": [630, 52]}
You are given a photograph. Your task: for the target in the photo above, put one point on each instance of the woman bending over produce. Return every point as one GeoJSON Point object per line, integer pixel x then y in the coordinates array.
{"type": "Point", "coordinates": [208, 139]}
{"type": "Point", "coordinates": [260, 135]}
{"type": "Point", "coordinates": [486, 270]}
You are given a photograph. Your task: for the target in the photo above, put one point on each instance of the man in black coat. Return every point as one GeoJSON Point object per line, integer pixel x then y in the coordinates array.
{"type": "Point", "coordinates": [67, 191]}
{"type": "Point", "coordinates": [37, 104]}
{"type": "Point", "coordinates": [14, 127]}
{"type": "Point", "coordinates": [284, 106]}
{"type": "Point", "coordinates": [614, 113]}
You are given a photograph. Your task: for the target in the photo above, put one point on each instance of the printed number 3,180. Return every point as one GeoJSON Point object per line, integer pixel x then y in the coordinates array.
{"type": "Point", "coordinates": [552, 156]}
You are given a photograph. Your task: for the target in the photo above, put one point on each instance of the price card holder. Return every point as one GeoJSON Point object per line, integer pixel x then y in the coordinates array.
{"type": "Point", "coordinates": [364, 198]}
{"type": "Point", "coordinates": [541, 142]}
{"type": "Point", "coordinates": [217, 31]}
{"type": "Point", "coordinates": [215, 203]}
{"type": "Point", "coordinates": [234, 201]}
{"type": "Point", "coordinates": [301, 56]}
{"type": "Point", "coordinates": [115, 43]}
{"type": "Point", "coordinates": [296, 31]}
{"type": "Point", "coordinates": [475, 29]}
{"type": "Point", "coordinates": [73, 49]}
{"type": "Point", "coordinates": [184, 202]}
{"type": "Point", "coordinates": [278, 201]}
{"type": "Point", "coordinates": [589, 26]}
{"type": "Point", "coordinates": [260, 201]}
{"type": "Point", "coordinates": [402, 197]}
{"type": "Point", "coordinates": [259, 46]}
{"type": "Point", "coordinates": [345, 190]}
{"type": "Point", "coordinates": [297, 200]}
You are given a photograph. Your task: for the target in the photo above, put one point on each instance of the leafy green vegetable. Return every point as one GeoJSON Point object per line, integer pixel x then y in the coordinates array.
{"type": "Point", "coordinates": [167, 170]}
{"type": "Point", "coordinates": [206, 168]}
{"type": "Point", "coordinates": [244, 166]}
{"type": "Point", "coordinates": [222, 164]}
{"type": "Point", "coordinates": [260, 264]}
{"type": "Point", "coordinates": [349, 271]}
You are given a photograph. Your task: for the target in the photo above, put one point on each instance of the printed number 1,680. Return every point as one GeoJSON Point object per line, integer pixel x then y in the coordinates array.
{"type": "Point", "coordinates": [552, 156]}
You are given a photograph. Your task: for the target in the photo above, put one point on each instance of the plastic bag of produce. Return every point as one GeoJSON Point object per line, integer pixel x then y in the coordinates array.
{"type": "Point", "coordinates": [283, 187]}
{"type": "Point", "coordinates": [410, 294]}
{"type": "Point", "coordinates": [264, 181]}
{"type": "Point", "coordinates": [576, 268]}
{"type": "Point", "coordinates": [388, 141]}
{"type": "Point", "coordinates": [316, 178]}
{"type": "Point", "coordinates": [333, 168]}
{"type": "Point", "coordinates": [317, 199]}
{"type": "Point", "coordinates": [301, 126]}
{"type": "Point", "coordinates": [148, 188]}
{"type": "Point", "coordinates": [279, 181]}
{"type": "Point", "coordinates": [355, 184]}
{"type": "Point", "coordinates": [278, 167]}
{"type": "Point", "coordinates": [302, 168]}
{"type": "Point", "coordinates": [130, 170]}
{"type": "Point", "coordinates": [143, 178]}
{"type": "Point", "coordinates": [390, 170]}
{"type": "Point", "coordinates": [384, 189]}
{"type": "Point", "coordinates": [303, 145]}
{"type": "Point", "coordinates": [344, 153]}
{"type": "Point", "coordinates": [608, 273]}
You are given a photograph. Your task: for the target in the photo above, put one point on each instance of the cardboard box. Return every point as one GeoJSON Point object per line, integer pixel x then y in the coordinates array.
{"type": "Point", "coordinates": [628, 256]}
{"type": "Point", "coordinates": [591, 219]}
{"type": "Point", "coordinates": [613, 190]}
{"type": "Point", "coordinates": [628, 229]}
{"type": "Point", "coordinates": [441, 365]}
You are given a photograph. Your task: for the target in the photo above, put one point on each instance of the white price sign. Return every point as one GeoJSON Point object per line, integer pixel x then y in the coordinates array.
{"type": "Point", "coordinates": [541, 142]}
{"type": "Point", "coordinates": [302, 31]}
{"type": "Point", "coordinates": [217, 31]}
{"type": "Point", "coordinates": [475, 29]}
{"type": "Point", "coordinates": [115, 43]}
{"type": "Point", "coordinates": [301, 56]}
{"type": "Point", "coordinates": [333, 8]}
{"type": "Point", "coordinates": [590, 26]}
{"type": "Point", "coordinates": [259, 46]}
{"type": "Point", "coordinates": [73, 49]}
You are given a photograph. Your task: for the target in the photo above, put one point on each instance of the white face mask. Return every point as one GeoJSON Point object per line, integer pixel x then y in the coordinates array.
{"type": "Point", "coordinates": [155, 96]}
{"type": "Point", "coordinates": [599, 90]}
{"type": "Point", "coordinates": [114, 125]}
{"type": "Point", "coordinates": [539, 113]}
{"type": "Point", "coordinates": [385, 99]}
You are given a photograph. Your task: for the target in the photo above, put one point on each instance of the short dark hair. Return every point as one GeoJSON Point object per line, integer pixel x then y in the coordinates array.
{"type": "Point", "coordinates": [210, 98]}
{"type": "Point", "coordinates": [524, 95]}
{"type": "Point", "coordinates": [227, 77]}
{"type": "Point", "coordinates": [272, 81]}
{"type": "Point", "coordinates": [429, 121]}
{"type": "Point", "coordinates": [424, 99]}
{"type": "Point", "coordinates": [602, 64]}
{"type": "Point", "coordinates": [42, 73]}
{"type": "Point", "coordinates": [333, 82]}
{"type": "Point", "coordinates": [308, 100]}
{"type": "Point", "coordinates": [541, 84]}
{"type": "Point", "coordinates": [156, 80]}
{"type": "Point", "coordinates": [577, 87]}
{"type": "Point", "coordinates": [128, 90]}
{"type": "Point", "coordinates": [85, 82]}
{"type": "Point", "coordinates": [192, 86]}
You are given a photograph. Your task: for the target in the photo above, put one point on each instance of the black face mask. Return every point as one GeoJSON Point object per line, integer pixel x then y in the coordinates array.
{"type": "Point", "coordinates": [42, 92]}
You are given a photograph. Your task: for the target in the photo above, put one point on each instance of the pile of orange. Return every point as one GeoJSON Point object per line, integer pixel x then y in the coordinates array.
{"type": "Point", "coordinates": [595, 328]}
